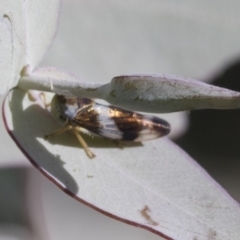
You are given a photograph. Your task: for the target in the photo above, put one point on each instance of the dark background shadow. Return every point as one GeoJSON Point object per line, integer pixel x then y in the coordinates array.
{"type": "Point", "coordinates": [213, 138]}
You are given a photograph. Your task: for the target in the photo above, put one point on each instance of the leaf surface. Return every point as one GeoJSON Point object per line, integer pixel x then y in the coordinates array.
{"type": "Point", "coordinates": [155, 185]}
{"type": "Point", "coordinates": [155, 93]}
{"type": "Point", "coordinates": [27, 29]}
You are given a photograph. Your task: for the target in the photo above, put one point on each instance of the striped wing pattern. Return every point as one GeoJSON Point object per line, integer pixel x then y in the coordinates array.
{"type": "Point", "coordinates": [119, 124]}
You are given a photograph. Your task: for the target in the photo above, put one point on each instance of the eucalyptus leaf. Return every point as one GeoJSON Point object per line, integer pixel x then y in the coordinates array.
{"type": "Point", "coordinates": [154, 185]}
{"type": "Point", "coordinates": [29, 27]}
{"type": "Point", "coordinates": [153, 93]}
{"type": "Point", "coordinates": [6, 50]}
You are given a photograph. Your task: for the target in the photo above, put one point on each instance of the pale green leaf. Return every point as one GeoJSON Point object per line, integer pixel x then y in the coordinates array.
{"type": "Point", "coordinates": [148, 93]}
{"type": "Point", "coordinates": [27, 29]}
{"type": "Point", "coordinates": [154, 185]}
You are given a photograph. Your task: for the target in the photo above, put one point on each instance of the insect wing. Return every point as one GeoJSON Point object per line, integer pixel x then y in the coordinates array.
{"type": "Point", "coordinates": [119, 124]}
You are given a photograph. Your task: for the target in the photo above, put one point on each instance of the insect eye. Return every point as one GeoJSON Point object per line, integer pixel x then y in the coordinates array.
{"type": "Point", "coordinates": [84, 101]}
{"type": "Point", "coordinates": [62, 99]}
{"type": "Point", "coordinates": [62, 118]}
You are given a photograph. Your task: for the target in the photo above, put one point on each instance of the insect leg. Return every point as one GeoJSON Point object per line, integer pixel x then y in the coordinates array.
{"type": "Point", "coordinates": [59, 131]}
{"type": "Point", "coordinates": [42, 96]}
{"type": "Point", "coordinates": [76, 131]}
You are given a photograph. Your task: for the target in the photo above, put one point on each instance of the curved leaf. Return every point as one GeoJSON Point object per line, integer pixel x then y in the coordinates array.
{"type": "Point", "coordinates": [13, 17]}
{"type": "Point", "coordinates": [147, 93]}
{"type": "Point", "coordinates": [6, 56]}
{"type": "Point", "coordinates": [186, 38]}
{"type": "Point", "coordinates": [41, 23]}
{"type": "Point", "coordinates": [155, 185]}
{"type": "Point", "coordinates": [166, 93]}
{"type": "Point", "coordinates": [31, 26]}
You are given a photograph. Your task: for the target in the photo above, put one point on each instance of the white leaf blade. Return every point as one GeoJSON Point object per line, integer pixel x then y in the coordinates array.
{"type": "Point", "coordinates": [6, 57]}
{"type": "Point", "coordinates": [41, 25]}
{"type": "Point", "coordinates": [156, 186]}
{"type": "Point", "coordinates": [13, 17]}
{"type": "Point", "coordinates": [157, 93]}
{"type": "Point", "coordinates": [31, 26]}
{"type": "Point", "coordinates": [10, 155]}
{"type": "Point", "coordinates": [165, 93]}
{"type": "Point", "coordinates": [187, 38]}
